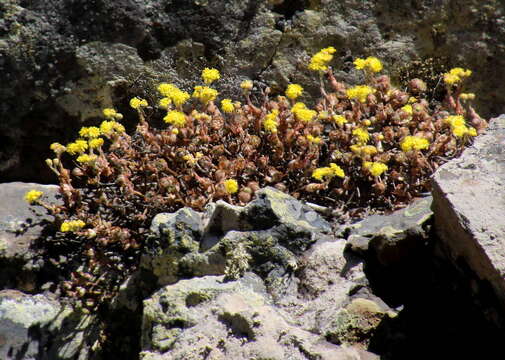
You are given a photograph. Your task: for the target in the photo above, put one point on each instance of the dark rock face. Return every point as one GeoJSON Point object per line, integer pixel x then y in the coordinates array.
{"type": "Point", "coordinates": [62, 61]}
{"type": "Point", "coordinates": [469, 204]}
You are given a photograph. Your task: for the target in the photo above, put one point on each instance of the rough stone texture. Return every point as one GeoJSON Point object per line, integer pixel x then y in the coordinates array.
{"type": "Point", "coordinates": [392, 237]}
{"type": "Point", "coordinates": [21, 316]}
{"type": "Point", "coordinates": [20, 225]}
{"type": "Point", "coordinates": [62, 60]}
{"type": "Point", "coordinates": [469, 204]}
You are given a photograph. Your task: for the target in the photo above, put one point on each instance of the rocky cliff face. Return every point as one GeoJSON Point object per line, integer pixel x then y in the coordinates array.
{"type": "Point", "coordinates": [61, 61]}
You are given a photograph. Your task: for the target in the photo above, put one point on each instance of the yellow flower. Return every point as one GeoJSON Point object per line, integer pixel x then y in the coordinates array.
{"type": "Point", "coordinates": [90, 132]}
{"type": "Point", "coordinates": [57, 148]}
{"type": "Point", "coordinates": [408, 109]}
{"type": "Point", "coordinates": [459, 130]}
{"type": "Point", "coordinates": [86, 159]}
{"type": "Point", "coordinates": [467, 96]}
{"type": "Point", "coordinates": [319, 62]}
{"type": "Point", "coordinates": [371, 63]}
{"type": "Point", "coordinates": [175, 118]}
{"type": "Point", "coordinates": [77, 147]}
{"type": "Point", "coordinates": [72, 225]}
{"type": "Point", "coordinates": [210, 75]}
{"type": "Point", "coordinates": [455, 120]}
{"type": "Point", "coordinates": [227, 105]}
{"type": "Point", "coordinates": [166, 89]}
{"type": "Point", "coordinates": [472, 131]}
{"type": "Point", "coordinates": [375, 168]}
{"type": "Point", "coordinates": [359, 92]}
{"type": "Point", "coordinates": [246, 85]}
{"type": "Point", "coordinates": [205, 94]}
{"type": "Point", "coordinates": [414, 143]}
{"type": "Point", "coordinates": [361, 134]}
{"type": "Point", "coordinates": [270, 122]}
{"type": "Point", "coordinates": [137, 103]}
{"type": "Point", "coordinates": [164, 103]}
{"type": "Point", "coordinates": [340, 120]}
{"type": "Point", "coordinates": [95, 143]}
{"type": "Point", "coordinates": [33, 195]}
{"type": "Point", "coordinates": [293, 91]}
{"type": "Point", "coordinates": [329, 171]}
{"type": "Point", "coordinates": [412, 100]}
{"type": "Point", "coordinates": [108, 127]}
{"type": "Point", "coordinates": [179, 97]}
{"type": "Point", "coordinates": [369, 150]}
{"type": "Point", "coordinates": [112, 114]}
{"type": "Point", "coordinates": [175, 131]}
{"type": "Point", "coordinates": [456, 75]}
{"type": "Point", "coordinates": [302, 113]}
{"type": "Point", "coordinates": [231, 186]}
{"type": "Point", "coordinates": [314, 139]}
{"type": "Point", "coordinates": [337, 170]}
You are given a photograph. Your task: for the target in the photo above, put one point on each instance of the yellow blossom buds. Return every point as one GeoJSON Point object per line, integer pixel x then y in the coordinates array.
{"type": "Point", "coordinates": [458, 126]}
{"type": "Point", "coordinates": [77, 147]}
{"type": "Point", "coordinates": [86, 159]}
{"type": "Point", "coordinates": [314, 139]}
{"type": "Point", "coordinates": [205, 94]}
{"type": "Point", "coordinates": [72, 225]}
{"type": "Point", "coordinates": [210, 75]}
{"type": "Point", "coordinates": [231, 186]}
{"type": "Point", "coordinates": [319, 62]}
{"type": "Point", "coordinates": [90, 132]}
{"type": "Point", "coordinates": [176, 118]}
{"type": "Point", "coordinates": [408, 109]}
{"type": "Point", "coordinates": [293, 91]}
{"type": "Point", "coordinates": [329, 172]}
{"type": "Point", "coordinates": [467, 96]}
{"type": "Point", "coordinates": [57, 148]}
{"type": "Point", "coordinates": [227, 105]}
{"type": "Point", "coordinates": [136, 103]}
{"type": "Point", "coordinates": [108, 127]}
{"type": "Point", "coordinates": [33, 195]}
{"type": "Point", "coordinates": [112, 114]}
{"type": "Point", "coordinates": [270, 122]}
{"type": "Point", "coordinates": [375, 168]}
{"type": "Point", "coordinates": [456, 75]}
{"type": "Point", "coordinates": [371, 64]}
{"type": "Point", "coordinates": [414, 143]}
{"type": "Point", "coordinates": [246, 85]}
{"type": "Point", "coordinates": [359, 92]}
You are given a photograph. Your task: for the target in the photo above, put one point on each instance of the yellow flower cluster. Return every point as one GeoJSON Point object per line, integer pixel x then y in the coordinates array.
{"type": "Point", "coordinates": [227, 105]}
{"type": "Point", "coordinates": [176, 118]}
{"type": "Point", "coordinates": [246, 85]}
{"type": "Point", "coordinates": [361, 134]}
{"type": "Point", "coordinates": [408, 109]}
{"type": "Point", "coordinates": [231, 186]}
{"type": "Point", "coordinates": [456, 75]}
{"type": "Point", "coordinates": [86, 159]}
{"type": "Point", "coordinates": [458, 126]}
{"type": "Point", "coordinates": [33, 195]}
{"type": "Point", "coordinates": [293, 91]}
{"type": "Point", "coordinates": [95, 143]}
{"type": "Point", "coordinates": [319, 62]}
{"type": "Point", "coordinates": [205, 94]}
{"type": "Point", "coordinates": [210, 75]}
{"type": "Point", "coordinates": [302, 113]}
{"type": "Point", "coordinates": [112, 114]}
{"type": "Point", "coordinates": [363, 150]}
{"type": "Point", "coordinates": [137, 103]}
{"type": "Point", "coordinates": [359, 92]}
{"type": "Point", "coordinates": [77, 147]}
{"type": "Point", "coordinates": [329, 172]}
{"type": "Point", "coordinates": [270, 122]}
{"type": "Point", "coordinates": [467, 96]}
{"type": "Point", "coordinates": [371, 64]}
{"type": "Point", "coordinates": [340, 120]}
{"type": "Point", "coordinates": [375, 168]}
{"type": "Point", "coordinates": [72, 225]}
{"type": "Point", "coordinates": [172, 92]}
{"type": "Point", "coordinates": [57, 148]}
{"type": "Point", "coordinates": [90, 132]}
{"type": "Point", "coordinates": [192, 160]}
{"type": "Point", "coordinates": [314, 139]}
{"type": "Point", "coordinates": [414, 143]}
{"type": "Point", "coordinates": [109, 127]}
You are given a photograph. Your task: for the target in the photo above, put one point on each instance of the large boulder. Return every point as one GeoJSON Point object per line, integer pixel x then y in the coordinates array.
{"type": "Point", "coordinates": [469, 204]}
{"type": "Point", "coordinates": [61, 61]}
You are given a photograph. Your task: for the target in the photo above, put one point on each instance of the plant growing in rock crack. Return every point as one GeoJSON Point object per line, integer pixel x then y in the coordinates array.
{"type": "Point", "coordinates": [370, 146]}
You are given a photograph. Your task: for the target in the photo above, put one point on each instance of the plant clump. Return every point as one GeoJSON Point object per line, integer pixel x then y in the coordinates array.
{"type": "Point", "coordinates": [363, 147]}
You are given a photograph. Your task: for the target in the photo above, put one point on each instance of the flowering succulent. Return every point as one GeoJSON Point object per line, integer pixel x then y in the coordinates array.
{"type": "Point", "coordinates": [360, 148]}
{"type": "Point", "coordinates": [33, 196]}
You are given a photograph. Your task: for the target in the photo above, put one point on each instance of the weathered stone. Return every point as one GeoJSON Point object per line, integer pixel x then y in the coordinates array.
{"type": "Point", "coordinates": [392, 237]}
{"type": "Point", "coordinates": [20, 225]}
{"type": "Point", "coordinates": [469, 204]}
{"type": "Point", "coordinates": [209, 318]}
{"type": "Point", "coordinates": [21, 318]}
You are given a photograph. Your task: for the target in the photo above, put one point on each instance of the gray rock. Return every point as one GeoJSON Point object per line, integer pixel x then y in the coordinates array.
{"type": "Point", "coordinates": [209, 318]}
{"type": "Point", "coordinates": [21, 316]}
{"type": "Point", "coordinates": [469, 203]}
{"type": "Point", "coordinates": [395, 236]}
{"type": "Point", "coordinates": [20, 225]}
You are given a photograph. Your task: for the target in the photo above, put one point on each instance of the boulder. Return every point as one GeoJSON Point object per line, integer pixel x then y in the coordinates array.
{"type": "Point", "coordinates": [469, 204]}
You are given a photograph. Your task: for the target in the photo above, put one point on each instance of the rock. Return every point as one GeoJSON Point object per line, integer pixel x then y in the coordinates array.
{"type": "Point", "coordinates": [20, 225]}
{"type": "Point", "coordinates": [63, 61]}
{"type": "Point", "coordinates": [393, 237]}
{"type": "Point", "coordinates": [208, 318]}
{"type": "Point", "coordinates": [469, 204]}
{"type": "Point", "coordinates": [21, 318]}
